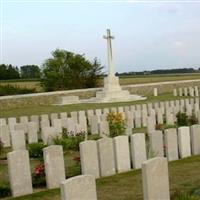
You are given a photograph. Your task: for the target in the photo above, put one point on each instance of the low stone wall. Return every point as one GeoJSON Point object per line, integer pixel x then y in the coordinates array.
{"type": "Point", "coordinates": [17, 101]}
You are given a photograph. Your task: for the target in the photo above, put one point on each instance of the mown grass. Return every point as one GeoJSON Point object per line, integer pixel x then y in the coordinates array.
{"type": "Point", "coordinates": [183, 176]}
{"type": "Point", "coordinates": [42, 109]}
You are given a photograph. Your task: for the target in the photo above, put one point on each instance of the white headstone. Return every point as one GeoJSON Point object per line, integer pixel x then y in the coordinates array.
{"type": "Point", "coordinates": [155, 179]}
{"type": "Point", "coordinates": [171, 144]}
{"type": "Point", "coordinates": [79, 188]}
{"type": "Point", "coordinates": [11, 123]}
{"type": "Point", "coordinates": [3, 122]}
{"type": "Point", "coordinates": [156, 143]}
{"type": "Point", "coordinates": [57, 123]}
{"type": "Point", "coordinates": [122, 153]}
{"type": "Point", "coordinates": [18, 140]}
{"type": "Point", "coordinates": [74, 116]}
{"type": "Point", "coordinates": [195, 139]}
{"type": "Point", "coordinates": [53, 116]}
{"type": "Point", "coordinates": [184, 141]}
{"type": "Point", "coordinates": [35, 118]}
{"type": "Point", "coordinates": [185, 91]}
{"type": "Point", "coordinates": [138, 120]}
{"type": "Point", "coordinates": [89, 158]}
{"type": "Point", "coordinates": [48, 134]}
{"type": "Point", "coordinates": [94, 125]}
{"type": "Point", "coordinates": [104, 128]}
{"type": "Point", "coordinates": [180, 92]}
{"type": "Point", "coordinates": [138, 150]}
{"type": "Point", "coordinates": [19, 173]}
{"type": "Point", "coordinates": [54, 165]}
{"type": "Point", "coordinates": [71, 126]}
{"type": "Point", "coordinates": [175, 92]}
{"type": "Point", "coordinates": [5, 135]}
{"type": "Point", "coordinates": [44, 117]}
{"type": "Point", "coordinates": [106, 157]}
{"type": "Point", "coordinates": [155, 92]}
{"type": "Point", "coordinates": [23, 119]}
{"type": "Point", "coordinates": [32, 132]}
{"type": "Point", "coordinates": [150, 124]}
{"type": "Point", "coordinates": [196, 90]}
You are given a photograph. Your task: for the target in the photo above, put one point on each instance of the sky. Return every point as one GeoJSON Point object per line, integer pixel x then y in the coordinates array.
{"type": "Point", "coordinates": [148, 34]}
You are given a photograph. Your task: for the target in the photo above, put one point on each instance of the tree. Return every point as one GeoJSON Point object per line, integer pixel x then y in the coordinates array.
{"type": "Point", "coordinates": [30, 71]}
{"type": "Point", "coordinates": [8, 72]}
{"type": "Point", "coordinates": [67, 70]}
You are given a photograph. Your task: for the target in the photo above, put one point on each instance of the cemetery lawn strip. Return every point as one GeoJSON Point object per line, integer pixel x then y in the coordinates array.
{"type": "Point", "coordinates": [46, 109]}
{"type": "Point", "coordinates": [183, 176]}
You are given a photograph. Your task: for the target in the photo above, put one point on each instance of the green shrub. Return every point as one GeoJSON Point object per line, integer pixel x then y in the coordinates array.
{"type": "Point", "coordinates": [4, 191]}
{"type": "Point", "coordinates": [193, 120]}
{"type": "Point", "coordinates": [13, 90]}
{"type": "Point", "coordinates": [182, 119]}
{"type": "Point", "coordinates": [35, 149]}
{"type": "Point", "coordinates": [69, 142]}
{"type": "Point", "coordinates": [94, 137]}
{"type": "Point", "coordinates": [116, 124]}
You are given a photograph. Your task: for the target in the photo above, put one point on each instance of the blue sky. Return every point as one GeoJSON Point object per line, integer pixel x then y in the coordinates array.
{"type": "Point", "coordinates": [148, 35]}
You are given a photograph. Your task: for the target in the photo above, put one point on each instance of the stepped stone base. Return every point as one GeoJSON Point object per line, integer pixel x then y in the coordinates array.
{"type": "Point", "coordinates": [112, 92]}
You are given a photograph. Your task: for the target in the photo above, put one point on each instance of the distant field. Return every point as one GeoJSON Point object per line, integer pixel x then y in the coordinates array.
{"type": "Point", "coordinates": [138, 79]}
{"type": "Point", "coordinates": [24, 84]}
{"type": "Point", "coordinates": [125, 80]}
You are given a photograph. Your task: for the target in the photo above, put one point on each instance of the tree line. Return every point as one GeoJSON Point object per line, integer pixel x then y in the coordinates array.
{"type": "Point", "coordinates": [8, 72]}
{"type": "Point", "coordinates": [162, 71]}
{"type": "Point", "coordinates": [64, 70]}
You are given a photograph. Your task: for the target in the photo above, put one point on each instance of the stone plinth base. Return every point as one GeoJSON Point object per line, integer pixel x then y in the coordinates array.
{"type": "Point", "coordinates": [112, 92]}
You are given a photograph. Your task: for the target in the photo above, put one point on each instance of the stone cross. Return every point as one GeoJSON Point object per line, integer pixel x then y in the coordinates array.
{"type": "Point", "coordinates": [108, 37]}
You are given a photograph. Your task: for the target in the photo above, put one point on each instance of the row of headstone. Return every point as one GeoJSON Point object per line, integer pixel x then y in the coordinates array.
{"type": "Point", "coordinates": [78, 116]}
{"type": "Point", "coordinates": [175, 144]}
{"type": "Point", "coordinates": [108, 156]}
{"type": "Point", "coordinates": [136, 116]}
{"type": "Point", "coordinates": [154, 171]}
{"type": "Point", "coordinates": [20, 172]}
{"type": "Point", "coordinates": [155, 181]}
{"type": "Point", "coordinates": [186, 91]}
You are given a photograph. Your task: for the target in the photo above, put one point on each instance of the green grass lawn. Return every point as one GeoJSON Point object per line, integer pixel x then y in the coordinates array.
{"type": "Point", "coordinates": [184, 176]}
{"type": "Point", "coordinates": [46, 109]}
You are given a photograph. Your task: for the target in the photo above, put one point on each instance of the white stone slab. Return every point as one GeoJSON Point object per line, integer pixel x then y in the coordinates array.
{"type": "Point", "coordinates": [155, 179]}
{"type": "Point", "coordinates": [54, 165]}
{"type": "Point", "coordinates": [138, 150]}
{"type": "Point", "coordinates": [19, 173]}
{"type": "Point", "coordinates": [106, 157]}
{"type": "Point", "coordinates": [79, 188]}
{"type": "Point", "coordinates": [89, 158]}
{"type": "Point", "coordinates": [184, 141]}
{"type": "Point", "coordinates": [122, 153]}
